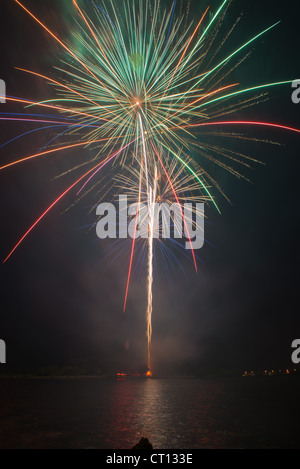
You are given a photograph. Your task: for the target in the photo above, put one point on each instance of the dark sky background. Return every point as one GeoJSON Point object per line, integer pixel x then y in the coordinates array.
{"type": "Point", "coordinates": [62, 298]}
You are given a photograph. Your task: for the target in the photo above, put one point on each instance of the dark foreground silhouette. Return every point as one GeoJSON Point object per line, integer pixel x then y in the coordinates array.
{"type": "Point", "coordinates": [143, 444]}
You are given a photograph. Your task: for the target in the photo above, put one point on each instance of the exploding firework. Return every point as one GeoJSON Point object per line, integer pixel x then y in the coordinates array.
{"type": "Point", "coordinates": [136, 92]}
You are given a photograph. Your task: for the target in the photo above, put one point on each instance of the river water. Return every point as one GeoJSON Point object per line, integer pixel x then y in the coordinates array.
{"type": "Point", "coordinates": [254, 412]}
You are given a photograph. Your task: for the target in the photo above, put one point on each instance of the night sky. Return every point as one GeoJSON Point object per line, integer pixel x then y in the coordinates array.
{"type": "Point", "coordinates": [62, 292]}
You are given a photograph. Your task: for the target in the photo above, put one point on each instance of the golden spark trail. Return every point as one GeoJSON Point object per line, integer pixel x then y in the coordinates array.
{"type": "Point", "coordinates": [151, 198]}
{"type": "Point", "coordinates": [151, 226]}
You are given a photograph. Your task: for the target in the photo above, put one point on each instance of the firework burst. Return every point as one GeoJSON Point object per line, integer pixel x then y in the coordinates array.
{"type": "Point", "coordinates": [137, 91]}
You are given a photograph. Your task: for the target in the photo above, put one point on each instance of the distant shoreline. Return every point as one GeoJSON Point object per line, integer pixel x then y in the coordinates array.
{"type": "Point", "coordinates": [19, 376]}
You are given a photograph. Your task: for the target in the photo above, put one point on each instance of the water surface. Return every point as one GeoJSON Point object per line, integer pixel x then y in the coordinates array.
{"type": "Point", "coordinates": [259, 412]}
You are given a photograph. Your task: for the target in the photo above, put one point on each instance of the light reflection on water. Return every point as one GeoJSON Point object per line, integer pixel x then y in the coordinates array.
{"type": "Point", "coordinates": [172, 414]}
